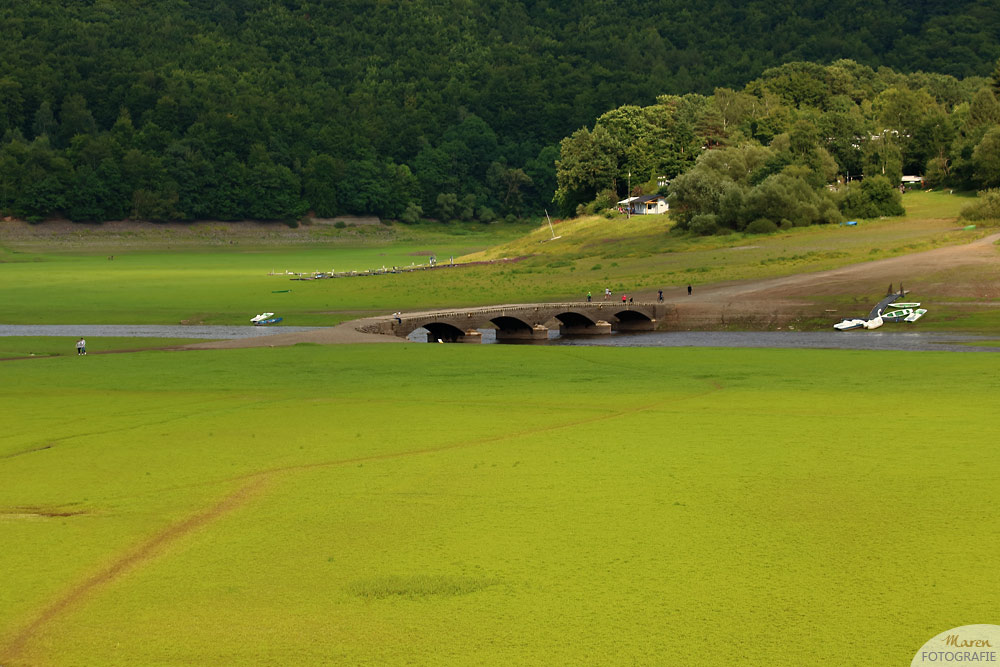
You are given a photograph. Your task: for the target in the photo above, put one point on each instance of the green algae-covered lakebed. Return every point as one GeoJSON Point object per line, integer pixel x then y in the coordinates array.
{"type": "Point", "coordinates": [439, 504]}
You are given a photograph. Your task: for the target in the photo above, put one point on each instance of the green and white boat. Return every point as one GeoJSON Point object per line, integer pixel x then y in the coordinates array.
{"type": "Point", "coordinates": [897, 315]}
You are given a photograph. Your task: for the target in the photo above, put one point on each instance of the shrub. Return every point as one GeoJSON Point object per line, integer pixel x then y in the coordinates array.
{"type": "Point", "coordinates": [883, 196]}
{"type": "Point", "coordinates": [412, 213]}
{"type": "Point", "coordinates": [703, 225]}
{"type": "Point", "coordinates": [761, 226]}
{"type": "Point", "coordinates": [340, 224]}
{"type": "Point", "coordinates": [986, 207]}
{"type": "Point", "coordinates": [606, 199]}
{"type": "Point", "coordinates": [874, 197]}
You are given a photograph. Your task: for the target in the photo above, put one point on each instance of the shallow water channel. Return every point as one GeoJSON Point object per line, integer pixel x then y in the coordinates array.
{"type": "Point", "coordinates": [846, 340]}
{"type": "Point", "coordinates": [841, 340]}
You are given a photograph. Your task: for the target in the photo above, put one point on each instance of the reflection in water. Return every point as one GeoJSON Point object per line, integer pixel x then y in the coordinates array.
{"type": "Point", "coordinates": [852, 340]}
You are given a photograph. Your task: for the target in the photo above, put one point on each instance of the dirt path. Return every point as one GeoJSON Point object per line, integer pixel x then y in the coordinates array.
{"type": "Point", "coordinates": [778, 299]}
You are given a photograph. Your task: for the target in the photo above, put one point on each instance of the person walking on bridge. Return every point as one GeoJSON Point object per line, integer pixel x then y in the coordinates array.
{"type": "Point", "coordinates": [588, 297]}
{"type": "Point", "coordinates": [624, 298]}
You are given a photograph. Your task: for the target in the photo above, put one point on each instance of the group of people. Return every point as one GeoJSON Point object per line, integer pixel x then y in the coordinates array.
{"type": "Point", "coordinates": [626, 298]}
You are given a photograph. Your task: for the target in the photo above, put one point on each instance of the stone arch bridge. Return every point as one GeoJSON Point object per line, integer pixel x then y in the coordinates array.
{"type": "Point", "coordinates": [527, 321]}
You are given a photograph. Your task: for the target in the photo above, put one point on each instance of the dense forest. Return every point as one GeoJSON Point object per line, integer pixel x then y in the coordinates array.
{"type": "Point", "coordinates": [790, 148]}
{"type": "Point", "coordinates": [194, 109]}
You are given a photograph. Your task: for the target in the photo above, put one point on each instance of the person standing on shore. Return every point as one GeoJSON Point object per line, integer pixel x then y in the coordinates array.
{"type": "Point", "coordinates": [81, 347]}
{"type": "Point", "coordinates": [689, 290]}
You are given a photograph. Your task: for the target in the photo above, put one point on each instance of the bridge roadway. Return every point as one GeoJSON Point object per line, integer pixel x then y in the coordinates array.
{"type": "Point", "coordinates": [527, 322]}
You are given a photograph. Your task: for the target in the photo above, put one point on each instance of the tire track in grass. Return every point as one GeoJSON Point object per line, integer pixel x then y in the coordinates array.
{"type": "Point", "coordinates": [130, 561]}
{"type": "Point", "coordinates": [254, 485]}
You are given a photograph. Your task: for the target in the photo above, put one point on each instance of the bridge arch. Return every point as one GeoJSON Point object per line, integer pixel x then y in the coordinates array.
{"type": "Point", "coordinates": [633, 320]}
{"type": "Point", "coordinates": [508, 323]}
{"type": "Point", "coordinates": [443, 331]}
{"type": "Point", "coordinates": [574, 319]}
{"type": "Point", "coordinates": [516, 329]}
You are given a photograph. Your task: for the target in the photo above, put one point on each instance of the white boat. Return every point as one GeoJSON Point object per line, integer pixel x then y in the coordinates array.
{"type": "Point", "coordinates": [261, 318]}
{"type": "Point", "coordinates": [904, 311]}
{"type": "Point", "coordinates": [847, 325]}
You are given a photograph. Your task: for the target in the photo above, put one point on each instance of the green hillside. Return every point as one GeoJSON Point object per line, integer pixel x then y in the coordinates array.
{"type": "Point", "coordinates": [265, 110]}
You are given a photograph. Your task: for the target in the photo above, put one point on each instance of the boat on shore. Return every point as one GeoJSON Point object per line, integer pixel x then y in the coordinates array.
{"type": "Point", "coordinates": [903, 311]}
{"type": "Point", "coordinates": [264, 319]}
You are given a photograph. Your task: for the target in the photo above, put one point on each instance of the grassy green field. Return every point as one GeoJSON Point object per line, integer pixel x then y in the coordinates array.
{"type": "Point", "coordinates": [507, 505]}
{"type": "Point", "coordinates": [431, 504]}
{"type": "Point", "coordinates": [147, 284]}
{"type": "Point", "coordinates": [227, 284]}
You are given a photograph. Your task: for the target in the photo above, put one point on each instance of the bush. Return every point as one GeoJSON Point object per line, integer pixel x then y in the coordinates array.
{"type": "Point", "coordinates": [987, 206]}
{"type": "Point", "coordinates": [412, 213]}
{"type": "Point", "coordinates": [486, 214]}
{"type": "Point", "coordinates": [873, 198]}
{"type": "Point", "coordinates": [606, 199]}
{"type": "Point", "coordinates": [883, 196]}
{"type": "Point", "coordinates": [340, 224]}
{"type": "Point", "coordinates": [703, 225]}
{"type": "Point", "coordinates": [761, 226]}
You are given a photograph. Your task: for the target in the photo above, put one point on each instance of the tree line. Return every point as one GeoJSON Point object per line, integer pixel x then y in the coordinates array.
{"type": "Point", "coordinates": [186, 109]}
{"type": "Point", "coordinates": [789, 148]}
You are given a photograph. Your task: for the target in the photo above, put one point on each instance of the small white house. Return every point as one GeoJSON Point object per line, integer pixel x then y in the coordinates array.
{"type": "Point", "coordinates": [645, 205]}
